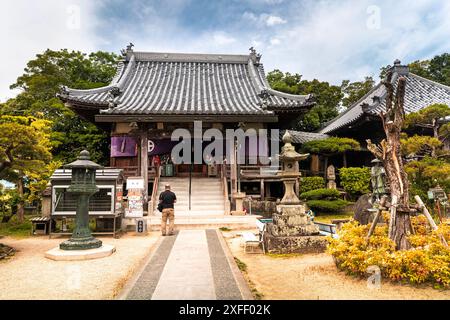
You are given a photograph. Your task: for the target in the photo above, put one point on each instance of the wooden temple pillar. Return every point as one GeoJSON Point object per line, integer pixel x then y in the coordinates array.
{"type": "Point", "coordinates": [143, 137]}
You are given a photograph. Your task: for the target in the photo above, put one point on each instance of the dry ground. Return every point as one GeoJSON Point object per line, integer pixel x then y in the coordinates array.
{"type": "Point", "coordinates": [315, 276]}
{"type": "Point", "coordinates": [29, 275]}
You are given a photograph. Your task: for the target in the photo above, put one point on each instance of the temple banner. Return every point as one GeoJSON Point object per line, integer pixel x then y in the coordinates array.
{"type": "Point", "coordinates": [123, 147]}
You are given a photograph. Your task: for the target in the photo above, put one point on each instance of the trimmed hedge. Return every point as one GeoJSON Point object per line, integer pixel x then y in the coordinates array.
{"type": "Point", "coordinates": [311, 183]}
{"type": "Point", "coordinates": [332, 206]}
{"type": "Point", "coordinates": [320, 194]}
{"type": "Point", "coordinates": [355, 181]}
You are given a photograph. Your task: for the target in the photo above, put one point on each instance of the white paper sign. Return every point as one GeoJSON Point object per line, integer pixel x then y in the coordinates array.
{"type": "Point", "coordinates": [135, 183]}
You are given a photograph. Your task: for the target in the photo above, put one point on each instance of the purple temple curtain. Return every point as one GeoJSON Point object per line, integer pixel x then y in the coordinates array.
{"type": "Point", "coordinates": [160, 146]}
{"type": "Point", "coordinates": [123, 147]}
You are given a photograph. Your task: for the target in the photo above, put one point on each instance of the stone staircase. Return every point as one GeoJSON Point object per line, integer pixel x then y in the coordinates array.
{"type": "Point", "coordinates": [206, 196]}
{"type": "Point", "coordinates": [207, 206]}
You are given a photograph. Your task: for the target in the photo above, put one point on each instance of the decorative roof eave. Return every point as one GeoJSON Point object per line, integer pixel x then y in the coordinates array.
{"type": "Point", "coordinates": [114, 88]}
{"type": "Point", "coordinates": [358, 107]}
{"type": "Point", "coordinates": [265, 91]}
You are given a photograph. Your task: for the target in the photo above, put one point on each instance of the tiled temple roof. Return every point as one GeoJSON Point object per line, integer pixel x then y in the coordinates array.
{"type": "Point", "coordinates": [179, 83]}
{"type": "Point", "coordinates": [301, 137]}
{"type": "Point", "coordinates": [420, 93]}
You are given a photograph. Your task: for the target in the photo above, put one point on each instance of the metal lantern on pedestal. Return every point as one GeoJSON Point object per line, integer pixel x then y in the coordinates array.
{"type": "Point", "coordinates": [82, 187]}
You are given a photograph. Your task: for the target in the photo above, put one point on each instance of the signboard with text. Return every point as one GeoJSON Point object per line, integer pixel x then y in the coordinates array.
{"type": "Point", "coordinates": [135, 187]}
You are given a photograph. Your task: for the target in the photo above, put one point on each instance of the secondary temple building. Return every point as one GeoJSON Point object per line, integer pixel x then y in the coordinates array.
{"type": "Point", "coordinates": [153, 94]}
{"type": "Point", "coordinates": [361, 121]}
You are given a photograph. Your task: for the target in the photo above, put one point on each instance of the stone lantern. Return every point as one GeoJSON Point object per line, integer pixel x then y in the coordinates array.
{"type": "Point", "coordinates": [82, 187]}
{"type": "Point", "coordinates": [290, 173]}
{"type": "Point", "coordinates": [292, 230]}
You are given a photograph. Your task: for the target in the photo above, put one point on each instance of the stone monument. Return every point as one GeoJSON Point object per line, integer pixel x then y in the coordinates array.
{"type": "Point", "coordinates": [292, 230]}
{"type": "Point", "coordinates": [331, 177]}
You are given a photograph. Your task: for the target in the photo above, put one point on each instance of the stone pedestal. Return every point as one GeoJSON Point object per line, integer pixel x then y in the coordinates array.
{"type": "Point", "coordinates": [76, 255]}
{"type": "Point", "coordinates": [239, 200]}
{"type": "Point", "coordinates": [300, 244]}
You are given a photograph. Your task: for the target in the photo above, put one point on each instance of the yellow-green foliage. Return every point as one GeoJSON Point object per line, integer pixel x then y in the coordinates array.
{"type": "Point", "coordinates": [427, 262]}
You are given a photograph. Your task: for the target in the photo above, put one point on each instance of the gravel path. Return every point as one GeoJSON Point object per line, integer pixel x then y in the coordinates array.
{"type": "Point", "coordinates": [29, 275]}
{"type": "Point", "coordinates": [313, 277]}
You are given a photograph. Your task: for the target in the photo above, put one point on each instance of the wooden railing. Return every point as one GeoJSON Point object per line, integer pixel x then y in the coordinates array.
{"type": "Point", "coordinates": [153, 199]}
{"type": "Point", "coordinates": [223, 177]}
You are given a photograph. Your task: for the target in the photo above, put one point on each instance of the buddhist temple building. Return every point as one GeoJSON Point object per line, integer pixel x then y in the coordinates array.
{"type": "Point", "coordinates": [152, 94]}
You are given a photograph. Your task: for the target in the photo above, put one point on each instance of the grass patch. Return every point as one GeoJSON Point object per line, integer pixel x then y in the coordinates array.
{"type": "Point", "coordinates": [224, 229]}
{"type": "Point", "coordinates": [256, 294]}
{"type": "Point", "coordinates": [241, 265]}
{"type": "Point", "coordinates": [13, 228]}
{"type": "Point", "coordinates": [329, 217]}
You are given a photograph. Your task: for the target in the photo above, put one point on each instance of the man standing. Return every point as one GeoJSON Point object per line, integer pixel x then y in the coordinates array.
{"type": "Point", "coordinates": [167, 199]}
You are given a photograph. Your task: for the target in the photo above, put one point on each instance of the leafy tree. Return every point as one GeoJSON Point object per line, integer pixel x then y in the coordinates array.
{"type": "Point", "coordinates": [24, 152]}
{"type": "Point", "coordinates": [327, 97]}
{"type": "Point", "coordinates": [331, 146]}
{"type": "Point", "coordinates": [429, 118]}
{"type": "Point", "coordinates": [419, 145]}
{"type": "Point", "coordinates": [40, 83]}
{"type": "Point", "coordinates": [427, 173]}
{"type": "Point", "coordinates": [353, 91]}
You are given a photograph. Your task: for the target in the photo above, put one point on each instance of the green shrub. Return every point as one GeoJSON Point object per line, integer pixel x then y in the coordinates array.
{"type": "Point", "coordinates": [320, 194]}
{"type": "Point", "coordinates": [355, 181]}
{"type": "Point", "coordinates": [311, 183]}
{"type": "Point", "coordinates": [330, 206]}
{"type": "Point", "coordinates": [427, 262]}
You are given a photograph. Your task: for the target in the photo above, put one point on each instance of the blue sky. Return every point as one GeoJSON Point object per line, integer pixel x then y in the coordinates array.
{"type": "Point", "coordinates": [326, 39]}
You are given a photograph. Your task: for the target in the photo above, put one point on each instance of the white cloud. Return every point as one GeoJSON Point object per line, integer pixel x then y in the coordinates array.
{"type": "Point", "coordinates": [263, 19]}
{"type": "Point", "coordinates": [274, 20]}
{"type": "Point", "coordinates": [221, 38]}
{"type": "Point", "coordinates": [319, 39]}
{"type": "Point", "coordinates": [275, 41]}
{"type": "Point", "coordinates": [30, 27]}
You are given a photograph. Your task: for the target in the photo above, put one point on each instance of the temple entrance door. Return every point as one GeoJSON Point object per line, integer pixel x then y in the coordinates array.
{"type": "Point", "coordinates": [198, 170]}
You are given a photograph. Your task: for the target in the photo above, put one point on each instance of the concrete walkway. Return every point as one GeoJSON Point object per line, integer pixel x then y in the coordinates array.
{"type": "Point", "coordinates": [192, 265]}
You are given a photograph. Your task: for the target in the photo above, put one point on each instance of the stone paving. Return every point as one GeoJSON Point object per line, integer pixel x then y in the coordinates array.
{"type": "Point", "coordinates": [191, 265]}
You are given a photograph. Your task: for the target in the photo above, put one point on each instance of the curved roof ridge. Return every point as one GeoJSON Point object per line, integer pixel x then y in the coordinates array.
{"type": "Point", "coordinates": [261, 84]}
{"type": "Point", "coordinates": [118, 81]}
{"type": "Point", "coordinates": [190, 57]}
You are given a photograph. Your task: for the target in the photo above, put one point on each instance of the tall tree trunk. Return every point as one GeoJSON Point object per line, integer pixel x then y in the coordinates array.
{"type": "Point", "coordinates": [20, 204]}
{"type": "Point", "coordinates": [344, 159]}
{"type": "Point", "coordinates": [389, 152]}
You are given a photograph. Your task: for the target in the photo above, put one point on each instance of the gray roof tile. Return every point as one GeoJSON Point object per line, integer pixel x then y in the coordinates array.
{"type": "Point", "coordinates": [173, 83]}
{"type": "Point", "coordinates": [420, 93]}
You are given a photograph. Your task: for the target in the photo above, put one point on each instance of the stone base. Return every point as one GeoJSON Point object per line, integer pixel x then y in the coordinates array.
{"type": "Point", "coordinates": [73, 255]}
{"type": "Point", "coordinates": [237, 213]}
{"type": "Point", "coordinates": [295, 244]}
{"type": "Point", "coordinates": [81, 244]}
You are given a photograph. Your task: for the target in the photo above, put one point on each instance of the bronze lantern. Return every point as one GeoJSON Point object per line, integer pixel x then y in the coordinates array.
{"type": "Point", "coordinates": [82, 186]}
